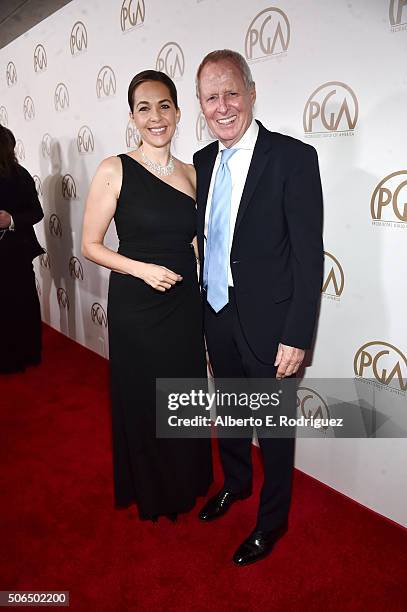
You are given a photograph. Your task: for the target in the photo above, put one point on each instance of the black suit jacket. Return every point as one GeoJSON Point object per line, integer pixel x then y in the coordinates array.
{"type": "Point", "coordinates": [277, 251]}
{"type": "Point", "coordinates": [19, 197]}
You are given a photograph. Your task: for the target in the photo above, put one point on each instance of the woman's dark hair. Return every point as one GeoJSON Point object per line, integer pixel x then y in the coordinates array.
{"type": "Point", "coordinates": [152, 75]}
{"type": "Point", "coordinates": [7, 155]}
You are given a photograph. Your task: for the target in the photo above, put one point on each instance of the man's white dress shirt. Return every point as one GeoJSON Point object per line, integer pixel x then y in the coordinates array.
{"type": "Point", "coordinates": [239, 165]}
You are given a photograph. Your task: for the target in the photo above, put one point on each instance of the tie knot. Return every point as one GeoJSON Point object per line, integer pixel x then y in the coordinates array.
{"type": "Point", "coordinates": [226, 155]}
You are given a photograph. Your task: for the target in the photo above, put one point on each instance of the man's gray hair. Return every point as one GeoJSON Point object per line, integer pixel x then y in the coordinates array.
{"type": "Point", "coordinates": [226, 54]}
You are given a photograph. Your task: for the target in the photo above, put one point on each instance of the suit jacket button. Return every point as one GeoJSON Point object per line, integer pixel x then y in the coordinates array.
{"type": "Point", "coordinates": [236, 261]}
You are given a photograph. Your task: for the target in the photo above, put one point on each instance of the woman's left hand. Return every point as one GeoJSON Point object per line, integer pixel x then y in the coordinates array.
{"type": "Point", "coordinates": [5, 219]}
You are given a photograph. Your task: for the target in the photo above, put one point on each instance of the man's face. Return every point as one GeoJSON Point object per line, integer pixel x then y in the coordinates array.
{"type": "Point", "coordinates": [225, 101]}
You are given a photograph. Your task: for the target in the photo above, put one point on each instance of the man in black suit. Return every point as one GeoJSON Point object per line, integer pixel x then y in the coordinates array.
{"type": "Point", "coordinates": [260, 218]}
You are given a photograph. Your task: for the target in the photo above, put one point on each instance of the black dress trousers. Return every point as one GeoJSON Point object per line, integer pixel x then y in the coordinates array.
{"type": "Point", "coordinates": [232, 357]}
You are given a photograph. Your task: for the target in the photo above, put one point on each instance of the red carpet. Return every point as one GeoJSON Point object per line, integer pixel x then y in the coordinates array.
{"type": "Point", "coordinates": [59, 530]}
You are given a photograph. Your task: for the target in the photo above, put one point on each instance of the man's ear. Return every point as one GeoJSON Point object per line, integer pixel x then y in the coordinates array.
{"type": "Point", "coordinates": [253, 93]}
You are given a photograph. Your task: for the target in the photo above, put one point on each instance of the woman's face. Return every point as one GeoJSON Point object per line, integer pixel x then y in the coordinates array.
{"type": "Point", "coordinates": [154, 113]}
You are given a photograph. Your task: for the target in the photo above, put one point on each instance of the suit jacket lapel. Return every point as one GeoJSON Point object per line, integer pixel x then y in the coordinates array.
{"type": "Point", "coordinates": [204, 171]}
{"type": "Point", "coordinates": [260, 157]}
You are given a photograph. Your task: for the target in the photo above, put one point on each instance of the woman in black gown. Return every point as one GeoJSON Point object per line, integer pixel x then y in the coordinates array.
{"type": "Point", "coordinates": [154, 307]}
{"type": "Point", "coordinates": [20, 315]}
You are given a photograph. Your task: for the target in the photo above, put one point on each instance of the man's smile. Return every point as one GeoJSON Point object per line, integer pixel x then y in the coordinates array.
{"type": "Point", "coordinates": [227, 120]}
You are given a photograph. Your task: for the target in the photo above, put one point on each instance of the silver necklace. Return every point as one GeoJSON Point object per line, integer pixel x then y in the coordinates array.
{"type": "Point", "coordinates": [156, 167]}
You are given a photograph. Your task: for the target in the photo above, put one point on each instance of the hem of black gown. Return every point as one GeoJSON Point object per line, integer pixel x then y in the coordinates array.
{"type": "Point", "coordinates": [18, 368]}
{"type": "Point", "coordinates": [184, 509]}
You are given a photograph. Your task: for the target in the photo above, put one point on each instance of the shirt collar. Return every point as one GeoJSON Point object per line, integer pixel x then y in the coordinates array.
{"type": "Point", "coordinates": [248, 140]}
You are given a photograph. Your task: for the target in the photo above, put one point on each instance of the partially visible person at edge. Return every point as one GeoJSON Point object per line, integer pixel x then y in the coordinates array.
{"type": "Point", "coordinates": [259, 205]}
{"type": "Point", "coordinates": [20, 313]}
{"type": "Point", "coordinates": [154, 305]}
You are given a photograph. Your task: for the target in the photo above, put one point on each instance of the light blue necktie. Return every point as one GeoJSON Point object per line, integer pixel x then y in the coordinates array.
{"type": "Point", "coordinates": [217, 245]}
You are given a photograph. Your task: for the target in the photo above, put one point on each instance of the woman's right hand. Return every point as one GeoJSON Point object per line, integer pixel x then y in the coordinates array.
{"type": "Point", "coordinates": [159, 277]}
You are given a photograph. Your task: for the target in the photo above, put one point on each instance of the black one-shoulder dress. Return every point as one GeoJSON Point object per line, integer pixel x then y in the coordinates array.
{"type": "Point", "coordinates": [154, 335]}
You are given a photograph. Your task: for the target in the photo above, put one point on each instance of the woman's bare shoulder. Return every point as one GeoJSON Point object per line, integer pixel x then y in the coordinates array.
{"type": "Point", "coordinates": [110, 171]}
{"type": "Point", "coordinates": [111, 165]}
{"type": "Point", "coordinates": [109, 174]}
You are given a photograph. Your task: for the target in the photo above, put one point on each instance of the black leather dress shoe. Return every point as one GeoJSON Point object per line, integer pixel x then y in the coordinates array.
{"type": "Point", "coordinates": [258, 545]}
{"type": "Point", "coordinates": [220, 503]}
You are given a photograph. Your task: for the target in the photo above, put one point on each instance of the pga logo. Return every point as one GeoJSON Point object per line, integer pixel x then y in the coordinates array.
{"type": "Point", "coordinates": [11, 74]}
{"type": "Point", "coordinates": [332, 107]}
{"type": "Point", "coordinates": [98, 315]}
{"type": "Point", "coordinates": [132, 14]}
{"type": "Point", "coordinates": [389, 199]}
{"type": "Point", "coordinates": [78, 41]}
{"type": "Point", "coordinates": [85, 141]}
{"type": "Point", "coordinates": [334, 277]}
{"type": "Point", "coordinates": [171, 60]}
{"type": "Point", "coordinates": [202, 131]}
{"type": "Point", "coordinates": [40, 59]}
{"type": "Point", "coordinates": [382, 361]}
{"type": "Point", "coordinates": [268, 35]}
{"type": "Point", "coordinates": [105, 83]}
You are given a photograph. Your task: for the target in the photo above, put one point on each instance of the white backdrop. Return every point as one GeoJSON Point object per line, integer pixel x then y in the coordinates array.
{"type": "Point", "coordinates": [330, 73]}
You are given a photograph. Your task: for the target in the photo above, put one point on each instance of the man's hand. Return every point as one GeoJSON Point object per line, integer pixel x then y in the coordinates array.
{"type": "Point", "coordinates": [5, 219]}
{"type": "Point", "coordinates": [288, 360]}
